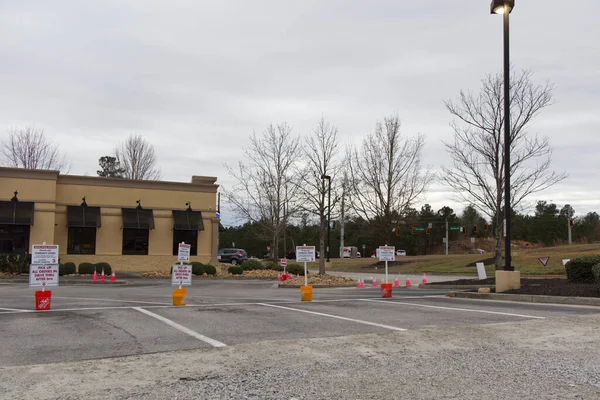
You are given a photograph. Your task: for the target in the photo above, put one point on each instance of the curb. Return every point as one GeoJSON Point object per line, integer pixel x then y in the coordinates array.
{"type": "Point", "coordinates": [457, 287]}
{"type": "Point", "coordinates": [529, 298]}
{"type": "Point", "coordinates": [281, 285]}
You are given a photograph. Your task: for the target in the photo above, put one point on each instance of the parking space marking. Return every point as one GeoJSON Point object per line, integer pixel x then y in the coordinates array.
{"type": "Point", "coordinates": [194, 334]}
{"type": "Point", "coordinates": [335, 316]}
{"type": "Point", "coordinates": [453, 308]}
{"type": "Point", "coordinates": [111, 300]}
{"type": "Point", "coordinates": [12, 310]}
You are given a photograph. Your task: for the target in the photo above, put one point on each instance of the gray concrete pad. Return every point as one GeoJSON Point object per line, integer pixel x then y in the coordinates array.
{"type": "Point", "coordinates": [88, 322]}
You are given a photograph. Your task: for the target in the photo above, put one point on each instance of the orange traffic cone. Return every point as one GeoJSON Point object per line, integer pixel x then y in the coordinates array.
{"type": "Point", "coordinates": [374, 282]}
{"type": "Point", "coordinates": [279, 277]}
{"type": "Point", "coordinates": [424, 281]}
{"type": "Point", "coordinates": [102, 278]}
{"type": "Point", "coordinates": [95, 276]}
{"type": "Point", "coordinates": [407, 281]}
{"type": "Point", "coordinates": [113, 277]}
{"type": "Point", "coordinates": [396, 283]}
{"type": "Point", "coordinates": [360, 283]}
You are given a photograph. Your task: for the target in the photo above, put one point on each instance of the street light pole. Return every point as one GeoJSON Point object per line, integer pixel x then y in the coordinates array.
{"type": "Point", "coordinates": [328, 213]}
{"type": "Point", "coordinates": [505, 7]}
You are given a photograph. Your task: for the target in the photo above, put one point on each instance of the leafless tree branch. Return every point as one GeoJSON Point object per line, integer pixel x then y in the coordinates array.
{"type": "Point", "coordinates": [137, 158]}
{"type": "Point", "coordinates": [28, 148]}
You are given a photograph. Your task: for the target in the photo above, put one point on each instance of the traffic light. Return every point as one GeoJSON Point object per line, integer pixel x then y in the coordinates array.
{"type": "Point", "coordinates": [397, 230]}
{"type": "Point", "coordinates": [571, 222]}
{"type": "Point", "coordinates": [475, 229]}
{"type": "Point", "coordinates": [428, 230]}
{"type": "Point", "coordinates": [413, 230]}
{"type": "Point", "coordinates": [464, 229]}
{"type": "Point", "coordinates": [486, 227]}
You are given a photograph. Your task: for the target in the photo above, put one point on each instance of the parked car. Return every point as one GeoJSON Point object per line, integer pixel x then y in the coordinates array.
{"type": "Point", "coordinates": [233, 256]}
{"type": "Point", "coordinates": [401, 253]}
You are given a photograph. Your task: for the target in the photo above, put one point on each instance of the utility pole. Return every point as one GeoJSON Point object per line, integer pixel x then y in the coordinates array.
{"type": "Point", "coordinates": [342, 227]}
{"type": "Point", "coordinates": [569, 226]}
{"type": "Point", "coordinates": [446, 236]}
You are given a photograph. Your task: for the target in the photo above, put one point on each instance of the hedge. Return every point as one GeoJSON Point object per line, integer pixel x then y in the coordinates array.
{"type": "Point", "coordinates": [102, 265]}
{"type": "Point", "coordinates": [198, 268]}
{"type": "Point", "coordinates": [596, 273]}
{"type": "Point", "coordinates": [579, 270]}
{"type": "Point", "coordinates": [66, 269]}
{"type": "Point", "coordinates": [235, 270]}
{"type": "Point", "coordinates": [15, 263]}
{"type": "Point", "coordinates": [273, 266]}
{"type": "Point", "coordinates": [295, 269]}
{"type": "Point", "coordinates": [210, 269]}
{"type": "Point", "coordinates": [86, 268]}
{"type": "Point", "coordinates": [252, 264]}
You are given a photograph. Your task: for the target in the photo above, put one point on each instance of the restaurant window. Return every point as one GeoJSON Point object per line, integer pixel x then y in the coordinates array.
{"type": "Point", "coordinates": [137, 223]}
{"type": "Point", "coordinates": [16, 218]}
{"type": "Point", "coordinates": [82, 222]}
{"type": "Point", "coordinates": [186, 225]}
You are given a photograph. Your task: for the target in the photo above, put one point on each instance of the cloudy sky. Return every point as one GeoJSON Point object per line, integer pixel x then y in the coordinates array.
{"type": "Point", "coordinates": [196, 77]}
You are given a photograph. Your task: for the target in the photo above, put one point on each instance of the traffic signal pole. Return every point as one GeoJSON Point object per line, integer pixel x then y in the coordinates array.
{"type": "Point", "coordinates": [446, 236]}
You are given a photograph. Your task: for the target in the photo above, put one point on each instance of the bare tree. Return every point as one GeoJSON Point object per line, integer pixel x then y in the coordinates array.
{"type": "Point", "coordinates": [320, 154]}
{"type": "Point", "coordinates": [477, 152]}
{"type": "Point", "coordinates": [266, 183]}
{"type": "Point", "coordinates": [28, 148]}
{"type": "Point", "coordinates": [137, 158]}
{"type": "Point", "coordinates": [386, 176]}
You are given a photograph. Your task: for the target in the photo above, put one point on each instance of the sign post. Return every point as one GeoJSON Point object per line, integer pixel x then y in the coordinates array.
{"type": "Point", "coordinates": [544, 260]}
{"type": "Point", "coordinates": [183, 253]}
{"type": "Point", "coordinates": [43, 272]}
{"type": "Point", "coordinates": [387, 253]}
{"type": "Point", "coordinates": [283, 263]}
{"type": "Point", "coordinates": [305, 254]}
{"type": "Point", "coordinates": [182, 275]}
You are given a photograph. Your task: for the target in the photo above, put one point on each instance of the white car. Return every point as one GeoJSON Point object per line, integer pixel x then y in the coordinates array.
{"type": "Point", "coordinates": [401, 253]}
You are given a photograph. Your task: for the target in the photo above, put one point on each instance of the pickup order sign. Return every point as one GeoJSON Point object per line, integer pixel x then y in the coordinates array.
{"type": "Point", "coordinates": [387, 253]}
{"type": "Point", "coordinates": [183, 254]}
{"type": "Point", "coordinates": [44, 254]}
{"type": "Point", "coordinates": [182, 275]}
{"type": "Point", "coordinates": [43, 276]}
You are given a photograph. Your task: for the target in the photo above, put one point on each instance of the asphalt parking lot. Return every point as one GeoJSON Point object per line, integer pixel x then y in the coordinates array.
{"type": "Point", "coordinates": [92, 321]}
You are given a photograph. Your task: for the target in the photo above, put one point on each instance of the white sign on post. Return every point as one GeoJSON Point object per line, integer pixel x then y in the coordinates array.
{"type": "Point", "coordinates": [387, 253]}
{"type": "Point", "coordinates": [43, 276]}
{"type": "Point", "coordinates": [305, 253]}
{"type": "Point", "coordinates": [182, 275]}
{"type": "Point", "coordinates": [183, 254]}
{"type": "Point", "coordinates": [283, 262]}
{"type": "Point", "coordinates": [565, 261]}
{"type": "Point", "coordinates": [44, 254]}
{"type": "Point", "coordinates": [481, 271]}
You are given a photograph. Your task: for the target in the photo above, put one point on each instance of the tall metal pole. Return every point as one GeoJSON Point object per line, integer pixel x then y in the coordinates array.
{"type": "Point", "coordinates": [507, 140]}
{"type": "Point", "coordinates": [446, 236]}
{"type": "Point", "coordinates": [328, 218]}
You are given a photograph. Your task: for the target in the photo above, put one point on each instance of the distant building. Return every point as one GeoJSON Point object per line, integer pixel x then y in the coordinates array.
{"type": "Point", "coordinates": [133, 225]}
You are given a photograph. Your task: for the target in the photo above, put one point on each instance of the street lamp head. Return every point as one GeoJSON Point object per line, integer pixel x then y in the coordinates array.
{"type": "Point", "coordinates": [498, 6]}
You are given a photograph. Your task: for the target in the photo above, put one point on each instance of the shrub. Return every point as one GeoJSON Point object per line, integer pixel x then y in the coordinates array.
{"type": "Point", "coordinates": [235, 270]}
{"type": "Point", "coordinates": [596, 273]}
{"type": "Point", "coordinates": [61, 269]}
{"type": "Point", "coordinates": [15, 263]}
{"type": "Point", "coordinates": [295, 269]}
{"type": "Point", "coordinates": [580, 269]}
{"type": "Point", "coordinates": [210, 269]}
{"type": "Point", "coordinates": [86, 268]}
{"type": "Point", "coordinates": [198, 268]}
{"type": "Point", "coordinates": [70, 268]}
{"type": "Point", "coordinates": [102, 265]}
{"type": "Point", "coordinates": [273, 266]}
{"type": "Point", "coordinates": [252, 264]}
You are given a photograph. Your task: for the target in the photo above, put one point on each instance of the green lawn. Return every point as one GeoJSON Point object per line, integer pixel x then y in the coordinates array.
{"type": "Point", "coordinates": [524, 260]}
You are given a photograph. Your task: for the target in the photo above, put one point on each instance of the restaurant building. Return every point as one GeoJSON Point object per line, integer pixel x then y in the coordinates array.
{"type": "Point", "coordinates": [133, 225]}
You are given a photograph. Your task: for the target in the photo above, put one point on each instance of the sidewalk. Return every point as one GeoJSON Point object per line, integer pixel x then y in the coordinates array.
{"type": "Point", "coordinates": [380, 276]}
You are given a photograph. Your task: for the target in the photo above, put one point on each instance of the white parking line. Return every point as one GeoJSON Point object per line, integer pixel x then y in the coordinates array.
{"type": "Point", "coordinates": [12, 310]}
{"type": "Point", "coordinates": [111, 300]}
{"type": "Point", "coordinates": [453, 308]}
{"type": "Point", "coordinates": [182, 328]}
{"type": "Point", "coordinates": [334, 316]}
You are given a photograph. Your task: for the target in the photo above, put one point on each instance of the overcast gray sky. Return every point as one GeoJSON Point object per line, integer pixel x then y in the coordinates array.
{"type": "Point", "coordinates": [196, 77]}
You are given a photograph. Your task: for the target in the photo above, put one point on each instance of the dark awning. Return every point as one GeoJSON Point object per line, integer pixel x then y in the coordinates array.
{"type": "Point", "coordinates": [83, 217]}
{"type": "Point", "coordinates": [187, 220]}
{"type": "Point", "coordinates": [137, 218]}
{"type": "Point", "coordinates": [16, 213]}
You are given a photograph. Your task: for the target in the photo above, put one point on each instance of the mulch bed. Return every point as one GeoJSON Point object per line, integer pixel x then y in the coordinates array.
{"type": "Point", "coordinates": [545, 287]}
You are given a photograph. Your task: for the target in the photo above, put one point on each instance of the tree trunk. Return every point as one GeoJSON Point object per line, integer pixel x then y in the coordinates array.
{"type": "Point", "coordinates": [322, 246]}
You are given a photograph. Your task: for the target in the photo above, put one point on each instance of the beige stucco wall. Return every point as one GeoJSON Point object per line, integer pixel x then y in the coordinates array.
{"type": "Point", "coordinates": [52, 193]}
